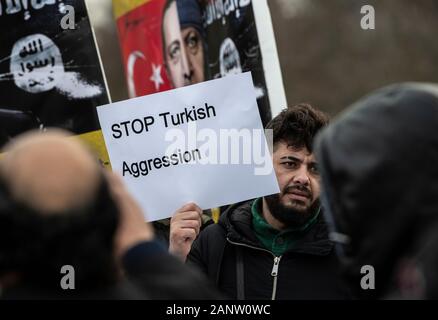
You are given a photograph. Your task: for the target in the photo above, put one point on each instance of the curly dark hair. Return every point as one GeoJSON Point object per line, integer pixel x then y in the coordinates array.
{"type": "Point", "coordinates": [298, 125]}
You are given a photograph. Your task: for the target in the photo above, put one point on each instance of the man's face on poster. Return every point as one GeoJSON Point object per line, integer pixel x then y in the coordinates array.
{"type": "Point", "coordinates": [195, 53]}
{"type": "Point", "coordinates": [183, 50]}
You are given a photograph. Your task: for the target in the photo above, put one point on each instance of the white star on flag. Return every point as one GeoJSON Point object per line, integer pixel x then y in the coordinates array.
{"type": "Point", "coordinates": [156, 76]}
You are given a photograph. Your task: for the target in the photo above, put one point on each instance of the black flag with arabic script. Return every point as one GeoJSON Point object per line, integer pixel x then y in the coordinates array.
{"type": "Point", "coordinates": [49, 76]}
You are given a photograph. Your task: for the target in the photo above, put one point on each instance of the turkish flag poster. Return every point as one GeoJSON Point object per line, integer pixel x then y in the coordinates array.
{"type": "Point", "coordinates": [173, 43]}
{"type": "Point", "coordinates": [139, 26]}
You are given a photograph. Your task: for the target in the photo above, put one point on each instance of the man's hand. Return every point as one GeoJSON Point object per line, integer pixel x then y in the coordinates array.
{"type": "Point", "coordinates": [132, 228]}
{"type": "Point", "coordinates": [184, 228]}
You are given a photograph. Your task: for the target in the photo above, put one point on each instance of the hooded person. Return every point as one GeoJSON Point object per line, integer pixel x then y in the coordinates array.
{"type": "Point", "coordinates": [378, 169]}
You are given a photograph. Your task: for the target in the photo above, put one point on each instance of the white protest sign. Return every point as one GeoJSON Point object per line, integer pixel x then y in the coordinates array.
{"type": "Point", "coordinates": [202, 143]}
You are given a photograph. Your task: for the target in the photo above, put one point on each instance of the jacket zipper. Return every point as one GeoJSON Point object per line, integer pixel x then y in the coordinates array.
{"type": "Point", "coordinates": [274, 272]}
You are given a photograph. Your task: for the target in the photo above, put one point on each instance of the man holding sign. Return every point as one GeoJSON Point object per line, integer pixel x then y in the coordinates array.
{"type": "Point", "coordinates": [275, 247]}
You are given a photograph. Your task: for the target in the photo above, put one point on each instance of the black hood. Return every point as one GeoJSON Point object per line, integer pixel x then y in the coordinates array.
{"type": "Point", "coordinates": [379, 167]}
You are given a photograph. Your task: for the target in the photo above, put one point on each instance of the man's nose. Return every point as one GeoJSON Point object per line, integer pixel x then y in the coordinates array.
{"type": "Point", "coordinates": [302, 176]}
{"type": "Point", "coordinates": [187, 73]}
{"type": "Point", "coordinates": [188, 76]}
{"type": "Point", "coordinates": [187, 70]}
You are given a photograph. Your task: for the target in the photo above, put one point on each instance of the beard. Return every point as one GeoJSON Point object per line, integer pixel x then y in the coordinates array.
{"type": "Point", "coordinates": [295, 215]}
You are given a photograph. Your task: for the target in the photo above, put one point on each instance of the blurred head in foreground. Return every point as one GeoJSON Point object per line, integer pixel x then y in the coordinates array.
{"type": "Point", "coordinates": [55, 210]}
{"type": "Point", "coordinates": [379, 175]}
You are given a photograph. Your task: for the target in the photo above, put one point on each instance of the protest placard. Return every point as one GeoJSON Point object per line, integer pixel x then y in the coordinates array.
{"type": "Point", "coordinates": [50, 76]}
{"type": "Point", "coordinates": [203, 143]}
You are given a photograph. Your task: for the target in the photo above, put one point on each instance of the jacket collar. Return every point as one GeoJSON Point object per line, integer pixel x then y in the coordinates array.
{"type": "Point", "coordinates": [237, 221]}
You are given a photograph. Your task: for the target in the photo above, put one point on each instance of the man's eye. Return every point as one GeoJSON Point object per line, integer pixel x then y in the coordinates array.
{"type": "Point", "coordinates": [314, 169]}
{"type": "Point", "coordinates": [290, 164]}
{"type": "Point", "coordinates": [192, 42]}
{"type": "Point", "coordinates": [174, 51]}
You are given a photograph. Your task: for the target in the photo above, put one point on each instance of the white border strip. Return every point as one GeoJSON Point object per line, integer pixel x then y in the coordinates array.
{"type": "Point", "coordinates": [98, 52]}
{"type": "Point", "coordinates": [271, 63]}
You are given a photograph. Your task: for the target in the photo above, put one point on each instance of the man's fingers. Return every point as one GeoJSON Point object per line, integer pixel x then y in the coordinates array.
{"type": "Point", "coordinates": [185, 226]}
{"type": "Point", "coordinates": [187, 215]}
{"type": "Point", "coordinates": [191, 224]}
{"type": "Point", "coordinates": [191, 206]}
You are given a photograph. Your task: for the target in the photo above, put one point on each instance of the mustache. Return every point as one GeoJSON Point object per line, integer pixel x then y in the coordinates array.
{"type": "Point", "coordinates": [305, 191]}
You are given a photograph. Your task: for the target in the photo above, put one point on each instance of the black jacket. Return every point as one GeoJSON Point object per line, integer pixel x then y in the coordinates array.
{"type": "Point", "coordinates": [379, 167]}
{"type": "Point", "coordinates": [230, 248]}
{"type": "Point", "coordinates": [150, 273]}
